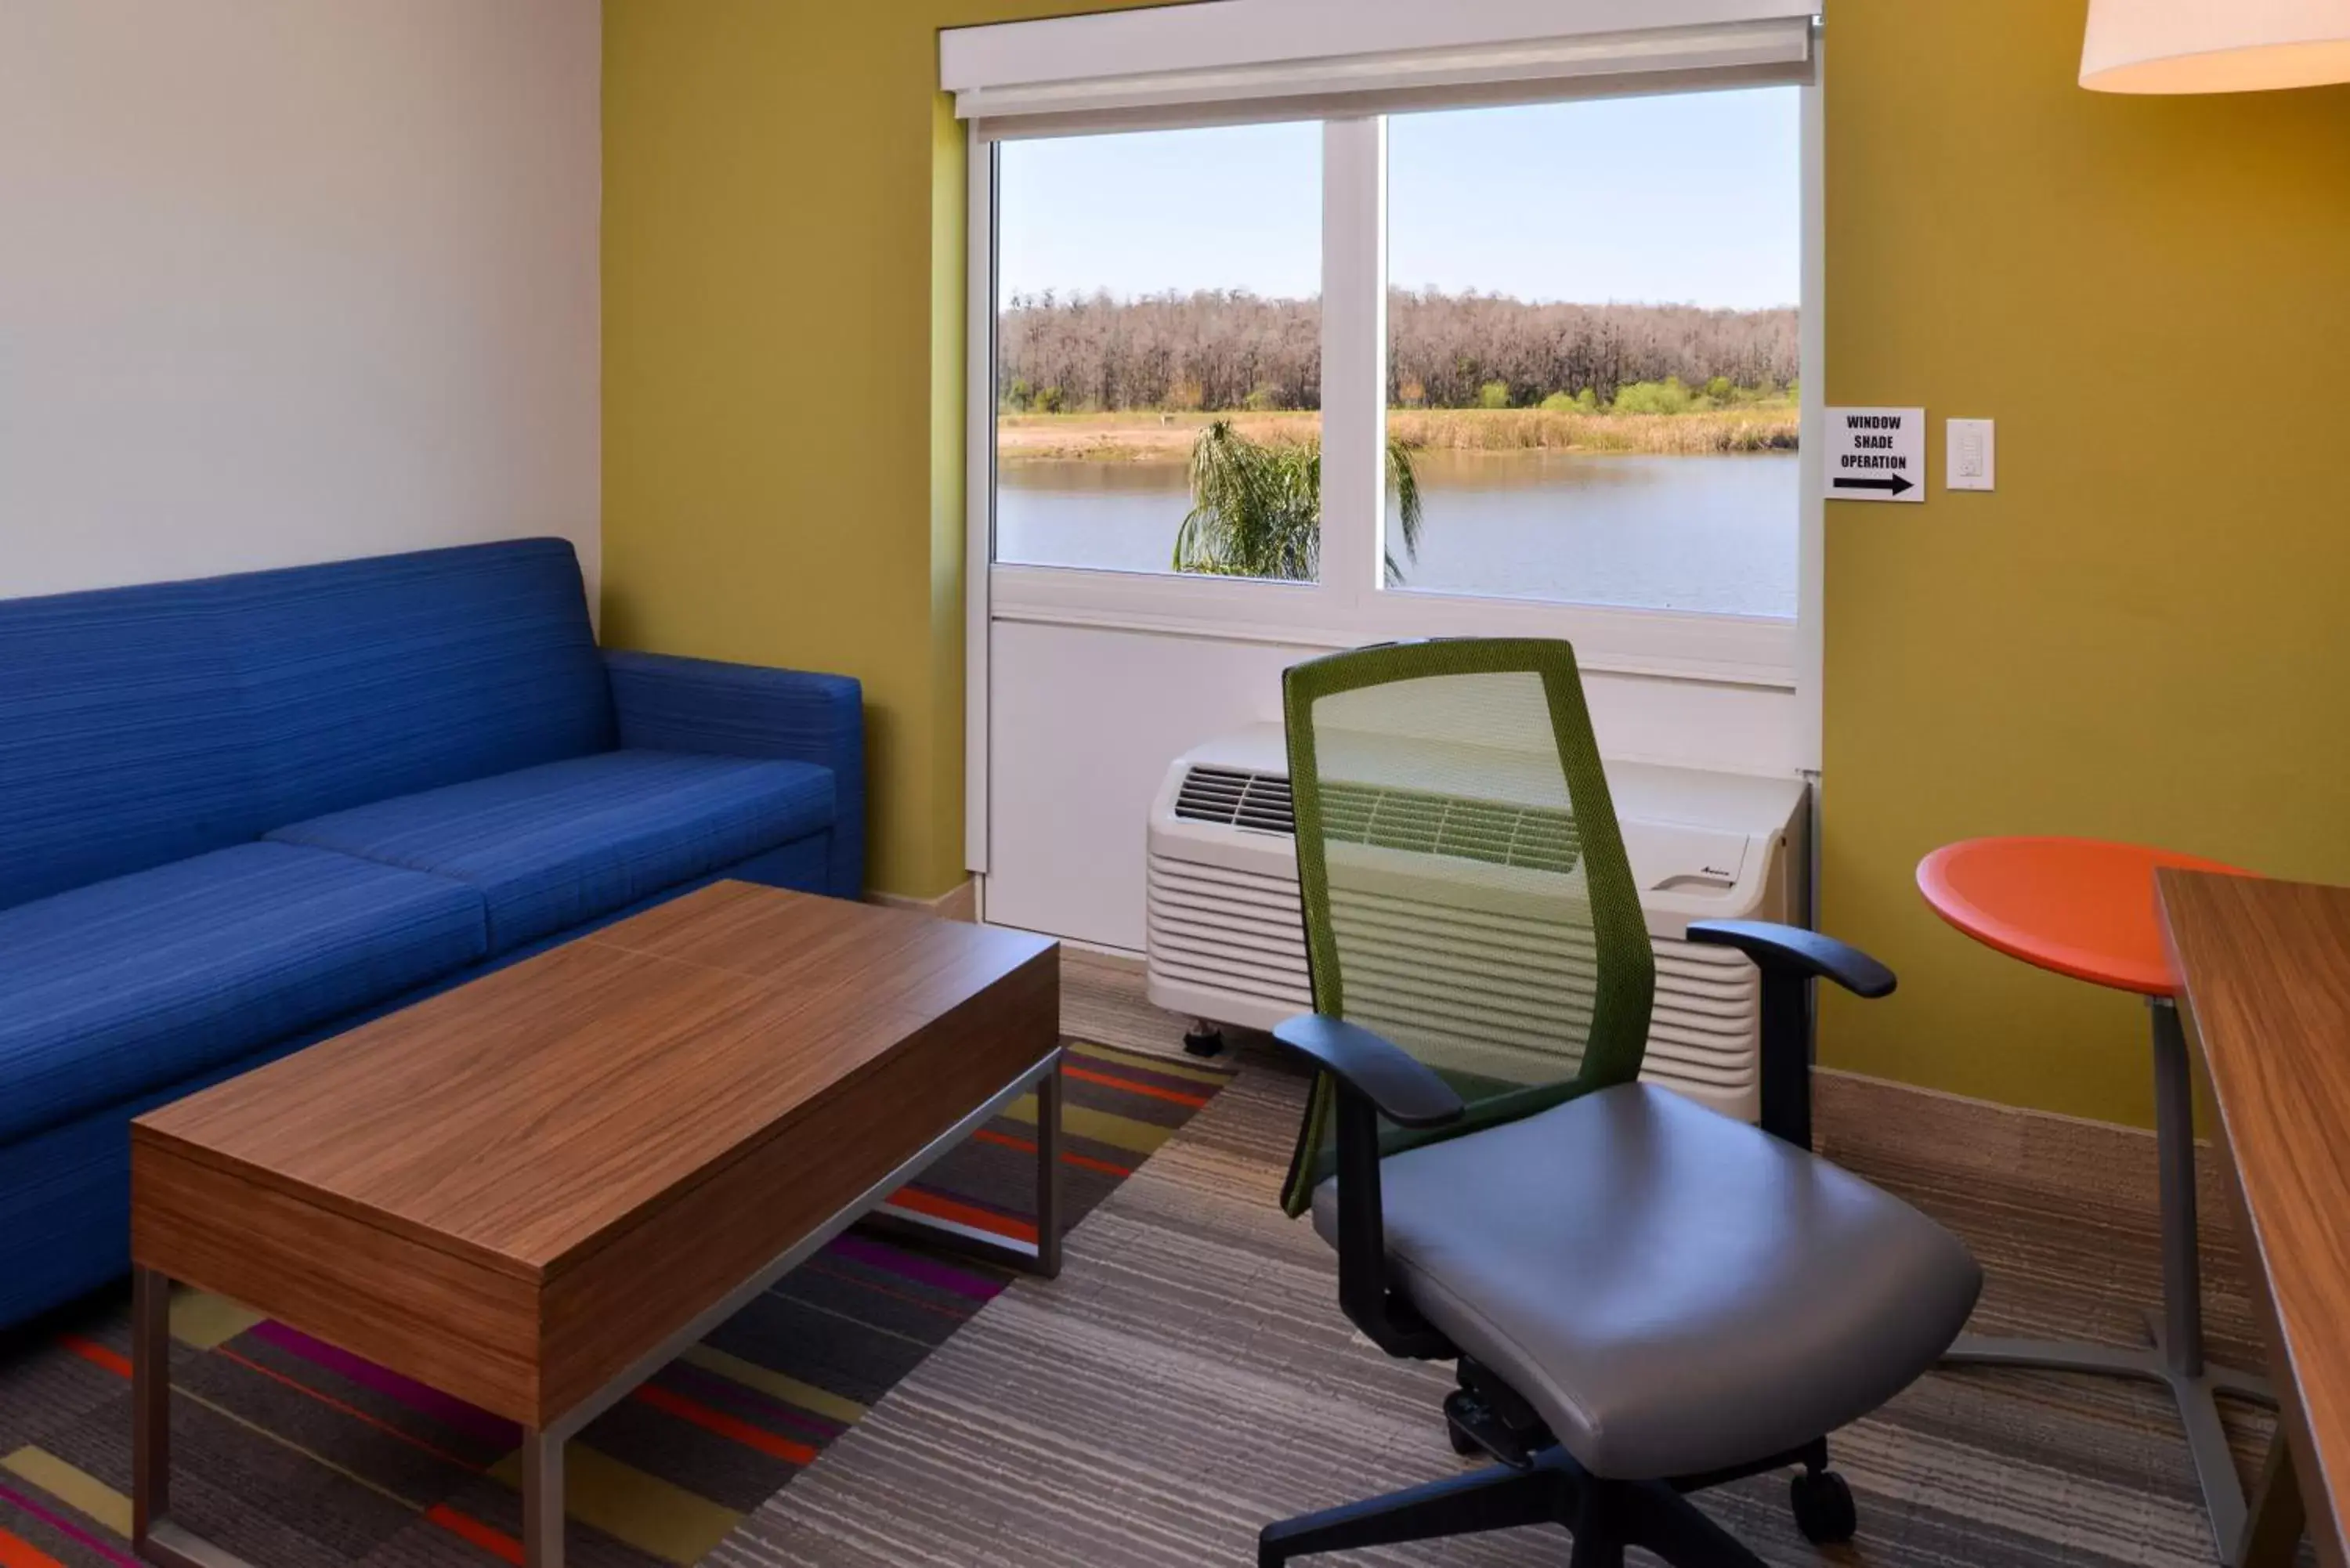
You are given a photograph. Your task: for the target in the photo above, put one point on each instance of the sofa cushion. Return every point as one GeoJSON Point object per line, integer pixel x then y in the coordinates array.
{"type": "Point", "coordinates": [125, 984]}
{"type": "Point", "coordinates": [550, 846]}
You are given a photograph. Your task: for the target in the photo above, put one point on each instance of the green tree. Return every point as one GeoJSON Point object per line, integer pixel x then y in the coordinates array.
{"type": "Point", "coordinates": [1493, 395]}
{"type": "Point", "coordinates": [1256, 507]}
{"type": "Point", "coordinates": [1666, 397]}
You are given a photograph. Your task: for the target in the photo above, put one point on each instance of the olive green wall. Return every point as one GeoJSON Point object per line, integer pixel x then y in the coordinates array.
{"type": "Point", "coordinates": [2140, 634]}
{"type": "Point", "coordinates": [783, 211]}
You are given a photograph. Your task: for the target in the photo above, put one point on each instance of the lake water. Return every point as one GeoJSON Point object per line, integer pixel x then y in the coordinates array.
{"type": "Point", "coordinates": [1712, 533]}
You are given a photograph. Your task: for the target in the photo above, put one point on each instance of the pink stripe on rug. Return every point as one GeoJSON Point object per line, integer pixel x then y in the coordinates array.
{"type": "Point", "coordinates": [913, 1266]}
{"type": "Point", "coordinates": [66, 1527]}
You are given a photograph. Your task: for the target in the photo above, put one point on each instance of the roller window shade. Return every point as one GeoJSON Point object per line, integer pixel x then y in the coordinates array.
{"type": "Point", "coordinates": [989, 91]}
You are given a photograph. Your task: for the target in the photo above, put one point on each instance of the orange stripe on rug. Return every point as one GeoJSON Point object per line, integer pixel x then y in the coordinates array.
{"type": "Point", "coordinates": [89, 1350]}
{"type": "Point", "coordinates": [725, 1425]}
{"type": "Point", "coordinates": [465, 1527]}
{"type": "Point", "coordinates": [1082, 1161]}
{"type": "Point", "coordinates": [1128, 1085]}
{"type": "Point", "coordinates": [18, 1552]}
{"type": "Point", "coordinates": [353, 1411]}
{"type": "Point", "coordinates": [978, 1219]}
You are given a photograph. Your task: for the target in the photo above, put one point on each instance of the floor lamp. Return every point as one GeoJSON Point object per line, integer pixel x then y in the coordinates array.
{"type": "Point", "coordinates": [2214, 46]}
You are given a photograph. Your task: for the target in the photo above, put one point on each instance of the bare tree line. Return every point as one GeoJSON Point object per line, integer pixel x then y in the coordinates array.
{"type": "Point", "coordinates": [1214, 350]}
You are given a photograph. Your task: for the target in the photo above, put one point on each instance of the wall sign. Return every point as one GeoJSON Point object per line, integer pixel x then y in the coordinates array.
{"type": "Point", "coordinates": [1877, 454]}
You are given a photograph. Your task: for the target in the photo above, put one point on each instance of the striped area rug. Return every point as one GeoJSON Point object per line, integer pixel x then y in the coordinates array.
{"type": "Point", "coordinates": [296, 1455]}
{"type": "Point", "coordinates": [1203, 1382]}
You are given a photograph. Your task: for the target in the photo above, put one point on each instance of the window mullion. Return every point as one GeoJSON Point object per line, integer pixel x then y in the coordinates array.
{"type": "Point", "coordinates": [1353, 360]}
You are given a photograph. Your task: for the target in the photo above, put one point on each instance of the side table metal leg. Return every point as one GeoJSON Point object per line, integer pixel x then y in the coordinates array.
{"type": "Point", "coordinates": [1048, 1171]}
{"type": "Point", "coordinates": [150, 1404]}
{"type": "Point", "coordinates": [2176, 1356]}
{"type": "Point", "coordinates": [541, 1500]}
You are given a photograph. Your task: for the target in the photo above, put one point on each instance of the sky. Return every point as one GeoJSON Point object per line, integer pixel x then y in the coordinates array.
{"type": "Point", "coordinates": [1693, 199]}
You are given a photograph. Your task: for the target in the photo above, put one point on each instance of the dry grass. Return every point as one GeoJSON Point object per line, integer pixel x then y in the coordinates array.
{"type": "Point", "coordinates": [1158, 438]}
{"type": "Point", "coordinates": [1761, 428]}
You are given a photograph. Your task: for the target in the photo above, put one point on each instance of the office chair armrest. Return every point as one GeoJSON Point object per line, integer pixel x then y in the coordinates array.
{"type": "Point", "coordinates": [1808, 953]}
{"type": "Point", "coordinates": [1790, 957]}
{"type": "Point", "coordinates": [1398, 1084]}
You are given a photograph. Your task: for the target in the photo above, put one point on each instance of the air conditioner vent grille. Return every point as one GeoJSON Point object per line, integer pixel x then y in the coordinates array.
{"type": "Point", "coordinates": [1538, 838]}
{"type": "Point", "coordinates": [1236, 797]}
{"type": "Point", "coordinates": [1534, 837]}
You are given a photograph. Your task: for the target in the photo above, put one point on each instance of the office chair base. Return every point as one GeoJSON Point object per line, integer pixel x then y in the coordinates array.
{"type": "Point", "coordinates": [1823, 1505]}
{"type": "Point", "coordinates": [1607, 1517]}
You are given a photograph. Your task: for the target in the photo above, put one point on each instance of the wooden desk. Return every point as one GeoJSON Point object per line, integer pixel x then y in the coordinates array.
{"type": "Point", "coordinates": [2264, 972]}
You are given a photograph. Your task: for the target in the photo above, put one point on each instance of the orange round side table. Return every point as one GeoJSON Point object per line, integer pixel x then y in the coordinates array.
{"type": "Point", "coordinates": [2085, 908]}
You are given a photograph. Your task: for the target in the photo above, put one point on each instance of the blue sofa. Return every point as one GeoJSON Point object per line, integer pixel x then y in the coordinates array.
{"type": "Point", "coordinates": [240, 815]}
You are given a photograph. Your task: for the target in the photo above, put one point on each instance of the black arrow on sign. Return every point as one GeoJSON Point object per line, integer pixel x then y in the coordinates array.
{"type": "Point", "coordinates": [1897, 484]}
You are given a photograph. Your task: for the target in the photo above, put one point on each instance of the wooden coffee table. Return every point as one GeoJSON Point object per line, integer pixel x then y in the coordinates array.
{"type": "Point", "coordinates": [535, 1189]}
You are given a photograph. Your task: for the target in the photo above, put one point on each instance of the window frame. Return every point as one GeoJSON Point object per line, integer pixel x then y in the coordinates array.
{"type": "Point", "coordinates": [1349, 606]}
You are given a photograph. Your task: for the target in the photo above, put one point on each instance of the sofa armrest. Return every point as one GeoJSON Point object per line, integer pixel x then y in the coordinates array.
{"type": "Point", "coordinates": [666, 703]}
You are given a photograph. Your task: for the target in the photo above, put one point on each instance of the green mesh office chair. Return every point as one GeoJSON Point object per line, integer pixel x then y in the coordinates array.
{"type": "Point", "coordinates": [1644, 1298]}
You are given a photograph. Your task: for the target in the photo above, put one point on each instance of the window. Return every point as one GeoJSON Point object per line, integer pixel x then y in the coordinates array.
{"type": "Point", "coordinates": [1593, 351]}
{"type": "Point", "coordinates": [1158, 300]}
{"type": "Point", "coordinates": [1362, 243]}
{"type": "Point", "coordinates": [1550, 290]}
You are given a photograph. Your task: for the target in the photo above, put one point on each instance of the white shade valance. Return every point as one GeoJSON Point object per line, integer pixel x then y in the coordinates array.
{"type": "Point", "coordinates": [1226, 60]}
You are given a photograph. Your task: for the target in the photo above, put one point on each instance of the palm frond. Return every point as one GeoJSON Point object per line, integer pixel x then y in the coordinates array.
{"type": "Point", "coordinates": [1256, 508]}
{"type": "Point", "coordinates": [1404, 483]}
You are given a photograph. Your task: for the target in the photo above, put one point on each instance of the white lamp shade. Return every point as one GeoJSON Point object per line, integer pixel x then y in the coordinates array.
{"type": "Point", "coordinates": [2215, 46]}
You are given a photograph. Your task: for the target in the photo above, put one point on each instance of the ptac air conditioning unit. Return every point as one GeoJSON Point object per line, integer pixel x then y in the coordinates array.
{"type": "Point", "coordinates": [1227, 942]}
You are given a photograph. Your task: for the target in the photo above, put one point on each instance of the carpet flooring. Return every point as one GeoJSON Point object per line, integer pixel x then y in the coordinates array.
{"type": "Point", "coordinates": [1188, 1377]}
{"type": "Point", "coordinates": [296, 1455]}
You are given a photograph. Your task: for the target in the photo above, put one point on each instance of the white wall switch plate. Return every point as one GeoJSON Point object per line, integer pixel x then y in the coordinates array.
{"type": "Point", "coordinates": [1970, 458]}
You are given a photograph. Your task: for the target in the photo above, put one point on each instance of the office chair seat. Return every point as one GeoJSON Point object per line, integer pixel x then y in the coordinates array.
{"type": "Point", "coordinates": [1675, 1293]}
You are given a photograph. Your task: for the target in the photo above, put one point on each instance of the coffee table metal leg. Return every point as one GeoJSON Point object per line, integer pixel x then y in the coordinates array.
{"type": "Point", "coordinates": [542, 1499]}
{"type": "Point", "coordinates": [153, 1534]}
{"type": "Point", "coordinates": [1042, 1256]}
{"type": "Point", "coordinates": [1048, 1171]}
{"type": "Point", "coordinates": [150, 1404]}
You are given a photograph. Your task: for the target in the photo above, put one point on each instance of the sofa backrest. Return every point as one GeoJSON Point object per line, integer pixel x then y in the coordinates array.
{"type": "Point", "coordinates": [123, 741]}
{"type": "Point", "coordinates": [145, 724]}
{"type": "Point", "coordinates": [364, 679]}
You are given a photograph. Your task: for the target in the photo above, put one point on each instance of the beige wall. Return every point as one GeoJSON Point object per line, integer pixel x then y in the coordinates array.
{"type": "Point", "coordinates": [288, 280]}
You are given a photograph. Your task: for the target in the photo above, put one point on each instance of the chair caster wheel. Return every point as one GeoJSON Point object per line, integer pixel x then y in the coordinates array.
{"type": "Point", "coordinates": [1824, 1509]}
{"type": "Point", "coordinates": [1203, 1039]}
{"type": "Point", "coordinates": [1467, 1446]}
